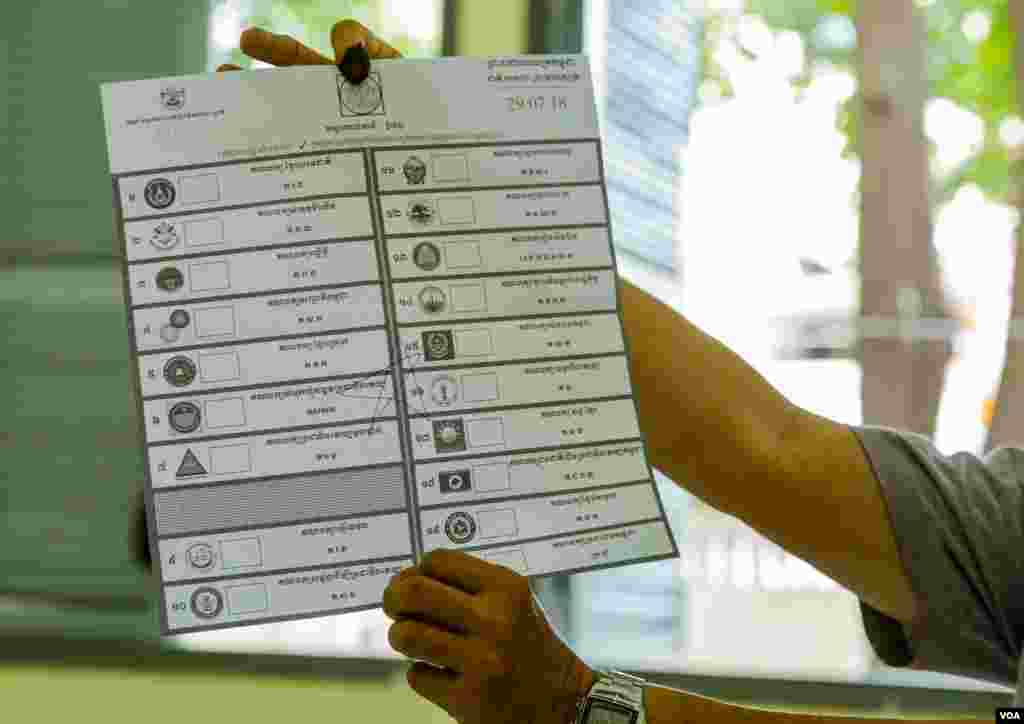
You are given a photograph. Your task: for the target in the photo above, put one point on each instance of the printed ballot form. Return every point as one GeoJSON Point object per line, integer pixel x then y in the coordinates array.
{"type": "Point", "coordinates": [369, 321]}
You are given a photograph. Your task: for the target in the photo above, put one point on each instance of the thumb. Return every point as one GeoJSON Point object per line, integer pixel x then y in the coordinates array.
{"type": "Point", "coordinates": [347, 33]}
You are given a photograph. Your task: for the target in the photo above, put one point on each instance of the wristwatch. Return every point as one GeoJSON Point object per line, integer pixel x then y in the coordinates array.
{"type": "Point", "coordinates": [614, 698]}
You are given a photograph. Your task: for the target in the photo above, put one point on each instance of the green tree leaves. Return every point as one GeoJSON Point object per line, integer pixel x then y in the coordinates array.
{"type": "Point", "coordinates": [979, 76]}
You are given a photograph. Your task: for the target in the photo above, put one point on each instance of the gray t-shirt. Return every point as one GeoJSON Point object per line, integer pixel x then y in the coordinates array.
{"type": "Point", "coordinates": [959, 525]}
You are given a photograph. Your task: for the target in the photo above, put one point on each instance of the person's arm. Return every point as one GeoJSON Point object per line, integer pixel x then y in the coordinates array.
{"type": "Point", "coordinates": [718, 428]}
{"type": "Point", "coordinates": [484, 652]}
{"type": "Point", "coordinates": [669, 706]}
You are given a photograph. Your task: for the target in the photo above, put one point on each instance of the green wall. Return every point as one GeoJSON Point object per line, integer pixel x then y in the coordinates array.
{"type": "Point", "coordinates": [71, 460]}
{"type": "Point", "coordinates": [56, 188]}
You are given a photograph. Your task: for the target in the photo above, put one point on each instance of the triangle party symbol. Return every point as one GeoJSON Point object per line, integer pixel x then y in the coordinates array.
{"type": "Point", "coordinates": [190, 466]}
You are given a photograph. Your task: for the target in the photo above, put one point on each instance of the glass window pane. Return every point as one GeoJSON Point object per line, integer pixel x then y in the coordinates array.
{"type": "Point", "coordinates": [767, 262]}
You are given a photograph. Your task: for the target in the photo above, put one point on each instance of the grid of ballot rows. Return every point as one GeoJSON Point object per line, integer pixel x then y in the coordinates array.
{"type": "Point", "coordinates": [512, 359]}
{"type": "Point", "coordinates": [268, 301]}
{"type": "Point", "coordinates": [272, 436]}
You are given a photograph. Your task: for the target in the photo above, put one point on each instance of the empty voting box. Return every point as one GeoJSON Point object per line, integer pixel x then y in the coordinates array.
{"type": "Point", "coordinates": [209, 276]}
{"type": "Point", "coordinates": [241, 553]}
{"type": "Point", "coordinates": [199, 189]}
{"type": "Point", "coordinates": [491, 477]}
{"type": "Point", "coordinates": [473, 343]}
{"type": "Point", "coordinates": [450, 167]}
{"type": "Point", "coordinates": [225, 413]}
{"type": "Point", "coordinates": [485, 432]}
{"type": "Point", "coordinates": [219, 366]}
{"type": "Point", "coordinates": [497, 523]}
{"type": "Point", "coordinates": [215, 322]}
{"type": "Point", "coordinates": [463, 255]}
{"type": "Point", "coordinates": [249, 598]}
{"type": "Point", "coordinates": [456, 211]}
{"type": "Point", "coordinates": [230, 459]}
{"type": "Point", "coordinates": [468, 297]}
{"type": "Point", "coordinates": [204, 232]}
{"type": "Point", "coordinates": [480, 387]}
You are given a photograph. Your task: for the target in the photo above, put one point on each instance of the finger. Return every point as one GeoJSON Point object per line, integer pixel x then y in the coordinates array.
{"type": "Point", "coordinates": [428, 600]}
{"type": "Point", "coordinates": [347, 33]}
{"type": "Point", "coordinates": [402, 575]}
{"type": "Point", "coordinates": [279, 49]}
{"type": "Point", "coordinates": [228, 66]}
{"type": "Point", "coordinates": [433, 684]}
{"type": "Point", "coordinates": [419, 640]}
{"type": "Point", "coordinates": [464, 571]}
{"type": "Point", "coordinates": [405, 572]}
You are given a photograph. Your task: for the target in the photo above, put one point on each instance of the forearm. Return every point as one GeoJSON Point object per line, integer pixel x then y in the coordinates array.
{"type": "Point", "coordinates": [711, 421]}
{"type": "Point", "coordinates": [670, 706]}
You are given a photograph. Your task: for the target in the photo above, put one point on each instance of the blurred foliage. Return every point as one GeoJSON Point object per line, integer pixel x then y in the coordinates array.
{"type": "Point", "coordinates": [978, 76]}
{"type": "Point", "coordinates": [311, 21]}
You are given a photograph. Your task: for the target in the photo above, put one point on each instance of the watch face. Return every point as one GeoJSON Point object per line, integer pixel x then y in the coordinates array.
{"type": "Point", "coordinates": [599, 711]}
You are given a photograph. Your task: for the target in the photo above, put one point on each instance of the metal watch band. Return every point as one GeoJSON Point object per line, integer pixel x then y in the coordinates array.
{"type": "Point", "coordinates": [622, 691]}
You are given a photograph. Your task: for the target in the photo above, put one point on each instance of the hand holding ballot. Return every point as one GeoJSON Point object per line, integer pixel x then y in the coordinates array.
{"type": "Point", "coordinates": [502, 663]}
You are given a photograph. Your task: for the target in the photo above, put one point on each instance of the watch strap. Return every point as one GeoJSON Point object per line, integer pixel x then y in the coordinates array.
{"type": "Point", "coordinates": [618, 688]}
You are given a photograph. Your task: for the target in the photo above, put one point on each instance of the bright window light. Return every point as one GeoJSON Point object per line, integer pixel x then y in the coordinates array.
{"type": "Point", "coordinates": [976, 25]}
{"type": "Point", "coordinates": [1011, 132]}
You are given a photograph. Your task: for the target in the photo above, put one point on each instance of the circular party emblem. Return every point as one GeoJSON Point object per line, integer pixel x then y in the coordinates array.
{"type": "Point", "coordinates": [201, 556]}
{"type": "Point", "coordinates": [426, 256]}
{"type": "Point", "coordinates": [207, 602]}
{"type": "Point", "coordinates": [460, 527]}
{"type": "Point", "coordinates": [185, 417]}
{"type": "Point", "coordinates": [159, 193]}
{"type": "Point", "coordinates": [179, 371]}
{"type": "Point", "coordinates": [170, 279]}
{"type": "Point", "coordinates": [363, 98]}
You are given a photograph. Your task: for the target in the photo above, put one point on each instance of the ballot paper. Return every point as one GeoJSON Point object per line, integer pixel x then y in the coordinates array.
{"type": "Point", "coordinates": [369, 321]}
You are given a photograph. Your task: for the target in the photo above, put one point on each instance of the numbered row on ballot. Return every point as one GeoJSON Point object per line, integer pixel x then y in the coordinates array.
{"type": "Point", "coordinates": [509, 340]}
{"type": "Point", "coordinates": [497, 252]}
{"type": "Point", "coordinates": [248, 227]}
{"type": "Point", "coordinates": [333, 309]}
{"type": "Point", "coordinates": [358, 354]}
{"type": "Point", "coordinates": [466, 435]}
{"type": "Point", "coordinates": [281, 595]}
{"type": "Point", "coordinates": [279, 453]}
{"type": "Point", "coordinates": [457, 210]}
{"type": "Point", "coordinates": [207, 187]}
{"type": "Point", "coordinates": [507, 521]}
{"type": "Point", "coordinates": [505, 296]}
{"type": "Point", "coordinates": [181, 462]}
{"type": "Point", "coordinates": [336, 589]}
{"type": "Point", "coordinates": [412, 169]}
{"type": "Point", "coordinates": [259, 549]}
{"type": "Point", "coordinates": [529, 473]}
{"type": "Point", "coordinates": [430, 392]}
{"type": "Point", "coordinates": [197, 278]}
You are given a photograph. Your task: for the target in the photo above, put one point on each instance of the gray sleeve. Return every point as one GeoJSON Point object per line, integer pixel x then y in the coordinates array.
{"type": "Point", "coordinates": [958, 523]}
